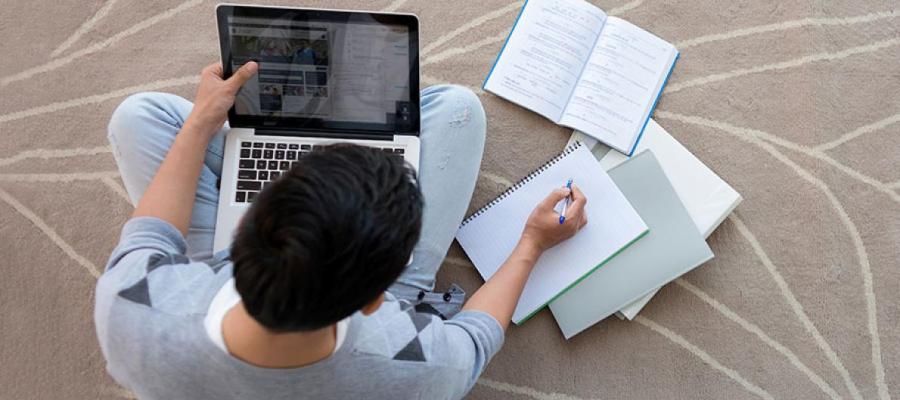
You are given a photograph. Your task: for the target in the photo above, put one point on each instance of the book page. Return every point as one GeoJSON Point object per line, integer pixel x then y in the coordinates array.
{"type": "Point", "coordinates": [619, 84]}
{"type": "Point", "coordinates": [545, 53]}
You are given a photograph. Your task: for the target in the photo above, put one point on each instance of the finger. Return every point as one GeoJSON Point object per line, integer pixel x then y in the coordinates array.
{"type": "Point", "coordinates": [584, 221]}
{"type": "Point", "coordinates": [577, 194]}
{"type": "Point", "coordinates": [213, 69]}
{"type": "Point", "coordinates": [242, 75]}
{"type": "Point", "coordinates": [554, 197]}
{"type": "Point", "coordinates": [577, 205]}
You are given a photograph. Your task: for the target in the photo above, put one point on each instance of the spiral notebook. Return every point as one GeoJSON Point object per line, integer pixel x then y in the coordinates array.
{"type": "Point", "coordinates": [489, 235]}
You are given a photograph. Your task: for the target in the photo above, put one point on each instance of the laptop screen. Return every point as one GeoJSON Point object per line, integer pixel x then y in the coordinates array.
{"type": "Point", "coordinates": [323, 70]}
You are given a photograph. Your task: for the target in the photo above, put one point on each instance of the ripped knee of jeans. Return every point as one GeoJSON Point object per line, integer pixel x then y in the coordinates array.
{"type": "Point", "coordinates": [462, 113]}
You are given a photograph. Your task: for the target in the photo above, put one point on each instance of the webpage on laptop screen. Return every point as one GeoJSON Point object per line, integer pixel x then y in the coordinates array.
{"type": "Point", "coordinates": [342, 72]}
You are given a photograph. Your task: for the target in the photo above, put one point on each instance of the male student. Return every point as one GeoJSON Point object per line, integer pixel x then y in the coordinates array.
{"type": "Point", "coordinates": [315, 298]}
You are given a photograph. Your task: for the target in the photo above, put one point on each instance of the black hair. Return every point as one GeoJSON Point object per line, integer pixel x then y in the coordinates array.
{"type": "Point", "coordinates": [327, 238]}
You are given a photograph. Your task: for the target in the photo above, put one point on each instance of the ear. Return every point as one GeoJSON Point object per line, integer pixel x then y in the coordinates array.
{"type": "Point", "coordinates": [373, 305]}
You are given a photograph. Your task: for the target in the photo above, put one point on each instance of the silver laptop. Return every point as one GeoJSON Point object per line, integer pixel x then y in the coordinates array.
{"type": "Point", "coordinates": [325, 76]}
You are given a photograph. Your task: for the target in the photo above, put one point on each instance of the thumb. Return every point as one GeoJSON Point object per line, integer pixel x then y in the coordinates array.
{"type": "Point", "coordinates": [242, 75]}
{"type": "Point", "coordinates": [554, 197]}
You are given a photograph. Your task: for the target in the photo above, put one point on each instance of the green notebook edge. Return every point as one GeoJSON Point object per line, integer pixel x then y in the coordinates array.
{"type": "Point", "coordinates": [586, 274]}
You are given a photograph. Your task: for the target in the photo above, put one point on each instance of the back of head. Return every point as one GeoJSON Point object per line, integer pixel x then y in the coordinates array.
{"type": "Point", "coordinates": [326, 238]}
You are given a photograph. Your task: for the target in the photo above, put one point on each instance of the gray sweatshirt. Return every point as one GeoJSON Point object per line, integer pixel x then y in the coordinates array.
{"type": "Point", "coordinates": [152, 300]}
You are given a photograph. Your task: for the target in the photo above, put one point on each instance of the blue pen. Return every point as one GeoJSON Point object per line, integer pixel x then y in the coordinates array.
{"type": "Point", "coordinates": [562, 216]}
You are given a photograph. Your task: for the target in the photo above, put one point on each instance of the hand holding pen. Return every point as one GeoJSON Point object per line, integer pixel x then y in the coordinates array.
{"type": "Point", "coordinates": [546, 228]}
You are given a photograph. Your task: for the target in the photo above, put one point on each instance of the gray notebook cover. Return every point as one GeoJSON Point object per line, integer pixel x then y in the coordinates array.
{"type": "Point", "coordinates": [673, 246]}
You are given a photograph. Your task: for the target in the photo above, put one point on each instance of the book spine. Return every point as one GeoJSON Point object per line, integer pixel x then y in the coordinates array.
{"type": "Point", "coordinates": [528, 178]}
{"type": "Point", "coordinates": [653, 108]}
{"type": "Point", "coordinates": [513, 29]}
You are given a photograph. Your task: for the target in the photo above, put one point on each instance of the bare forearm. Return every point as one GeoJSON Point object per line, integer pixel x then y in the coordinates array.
{"type": "Point", "coordinates": [500, 294]}
{"type": "Point", "coordinates": [170, 196]}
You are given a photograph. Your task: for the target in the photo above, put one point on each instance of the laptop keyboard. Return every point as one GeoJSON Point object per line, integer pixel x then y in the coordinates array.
{"type": "Point", "coordinates": [262, 162]}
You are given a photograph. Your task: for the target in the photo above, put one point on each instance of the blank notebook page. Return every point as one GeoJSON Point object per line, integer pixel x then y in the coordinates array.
{"type": "Point", "coordinates": [491, 233]}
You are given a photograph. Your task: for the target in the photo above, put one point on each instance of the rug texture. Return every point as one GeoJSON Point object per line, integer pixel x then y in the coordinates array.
{"type": "Point", "coordinates": [796, 104]}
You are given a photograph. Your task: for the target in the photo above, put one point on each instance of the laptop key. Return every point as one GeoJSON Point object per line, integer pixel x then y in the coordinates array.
{"type": "Point", "coordinates": [273, 164]}
{"type": "Point", "coordinates": [249, 185]}
{"type": "Point", "coordinates": [257, 153]}
{"type": "Point", "coordinates": [274, 175]}
{"type": "Point", "coordinates": [251, 196]}
{"type": "Point", "coordinates": [257, 145]}
{"type": "Point", "coordinates": [285, 165]}
{"type": "Point", "coordinates": [293, 146]}
{"type": "Point", "coordinates": [262, 175]}
{"type": "Point", "coordinates": [398, 151]}
{"type": "Point", "coordinates": [293, 164]}
{"type": "Point", "coordinates": [246, 174]}
{"type": "Point", "coordinates": [240, 197]}
{"type": "Point", "coordinates": [261, 164]}
{"type": "Point", "coordinates": [270, 145]}
{"type": "Point", "coordinates": [269, 154]}
{"type": "Point", "coordinates": [291, 155]}
{"type": "Point", "coordinates": [245, 144]}
{"type": "Point", "coordinates": [245, 153]}
{"type": "Point", "coordinates": [282, 145]}
{"type": "Point", "coordinates": [245, 163]}
{"type": "Point", "coordinates": [279, 154]}
{"type": "Point", "coordinates": [305, 147]}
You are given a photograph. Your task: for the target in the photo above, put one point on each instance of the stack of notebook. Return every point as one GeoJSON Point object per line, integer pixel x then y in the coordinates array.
{"type": "Point", "coordinates": [651, 202]}
{"type": "Point", "coordinates": [615, 265]}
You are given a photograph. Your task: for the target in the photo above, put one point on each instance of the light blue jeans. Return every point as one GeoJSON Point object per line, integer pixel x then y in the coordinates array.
{"type": "Point", "coordinates": [143, 128]}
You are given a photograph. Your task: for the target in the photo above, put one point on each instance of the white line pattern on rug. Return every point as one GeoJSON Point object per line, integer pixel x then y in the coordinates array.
{"type": "Point", "coordinates": [868, 128]}
{"type": "Point", "coordinates": [62, 61]}
{"type": "Point", "coordinates": [505, 183]}
{"type": "Point", "coordinates": [117, 188]}
{"type": "Point", "coordinates": [826, 56]}
{"type": "Point", "coordinates": [795, 304]}
{"type": "Point", "coordinates": [394, 6]}
{"type": "Point", "coordinates": [781, 26]}
{"type": "Point", "coordinates": [430, 80]}
{"type": "Point", "coordinates": [84, 28]}
{"type": "Point", "coordinates": [524, 390]}
{"type": "Point", "coordinates": [625, 7]}
{"type": "Point", "coordinates": [457, 51]}
{"type": "Point", "coordinates": [50, 233]}
{"type": "Point", "coordinates": [865, 268]}
{"type": "Point", "coordinates": [458, 261]}
{"type": "Point", "coordinates": [70, 177]}
{"type": "Point", "coordinates": [98, 98]}
{"type": "Point", "coordinates": [756, 330]}
{"type": "Point", "coordinates": [54, 153]}
{"type": "Point", "coordinates": [468, 26]}
{"type": "Point", "coordinates": [704, 356]}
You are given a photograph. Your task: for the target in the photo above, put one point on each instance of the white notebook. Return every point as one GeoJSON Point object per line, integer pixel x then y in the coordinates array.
{"type": "Point", "coordinates": [490, 234]}
{"type": "Point", "coordinates": [570, 62]}
{"type": "Point", "coordinates": [707, 197]}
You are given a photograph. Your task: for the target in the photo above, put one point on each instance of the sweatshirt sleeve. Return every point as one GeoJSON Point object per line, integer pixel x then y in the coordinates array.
{"type": "Point", "coordinates": [146, 243]}
{"type": "Point", "coordinates": [476, 337]}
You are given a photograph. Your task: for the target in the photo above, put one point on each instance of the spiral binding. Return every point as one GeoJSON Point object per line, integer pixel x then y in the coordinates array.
{"type": "Point", "coordinates": [568, 150]}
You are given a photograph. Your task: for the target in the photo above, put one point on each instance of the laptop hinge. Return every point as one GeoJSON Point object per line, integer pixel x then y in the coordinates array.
{"type": "Point", "coordinates": [333, 135]}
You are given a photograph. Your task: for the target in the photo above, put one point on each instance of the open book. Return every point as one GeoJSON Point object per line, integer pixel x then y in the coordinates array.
{"type": "Point", "coordinates": [570, 62]}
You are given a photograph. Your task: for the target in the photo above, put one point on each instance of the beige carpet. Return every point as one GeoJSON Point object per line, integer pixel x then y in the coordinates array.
{"type": "Point", "coordinates": [795, 104]}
